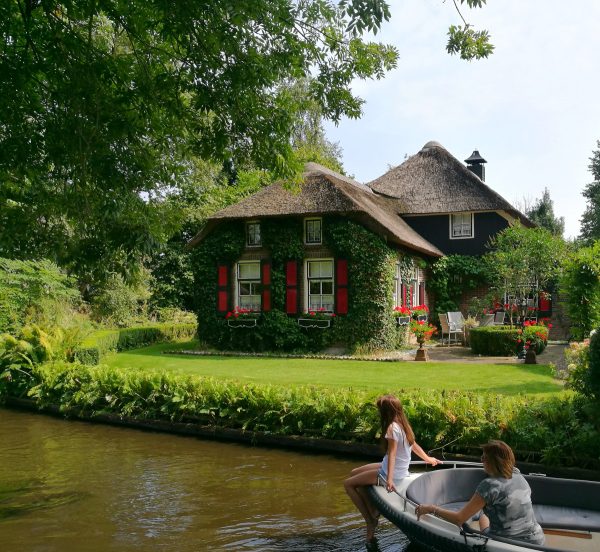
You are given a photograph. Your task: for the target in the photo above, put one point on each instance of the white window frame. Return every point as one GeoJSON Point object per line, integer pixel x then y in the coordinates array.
{"type": "Point", "coordinates": [248, 244]}
{"type": "Point", "coordinates": [462, 237]}
{"type": "Point", "coordinates": [256, 306]}
{"type": "Point", "coordinates": [414, 283]}
{"type": "Point", "coordinates": [307, 280]}
{"type": "Point", "coordinates": [313, 219]}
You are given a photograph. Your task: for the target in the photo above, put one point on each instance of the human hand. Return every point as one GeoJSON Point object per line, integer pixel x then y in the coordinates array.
{"type": "Point", "coordinates": [423, 509]}
{"type": "Point", "coordinates": [390, 486]}
{"type": "Point", "coordinates": [433, 461]}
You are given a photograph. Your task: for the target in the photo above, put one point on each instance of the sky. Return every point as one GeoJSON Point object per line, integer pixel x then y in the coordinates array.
{"type": "Point", "coordinates": [532, 109]}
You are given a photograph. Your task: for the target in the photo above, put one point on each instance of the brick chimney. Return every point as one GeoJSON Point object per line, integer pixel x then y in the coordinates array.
{"type": "Point", "coordinates": [475, 164]}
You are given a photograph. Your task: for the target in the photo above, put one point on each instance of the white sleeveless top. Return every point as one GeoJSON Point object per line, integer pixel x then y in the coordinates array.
{"type": "Point", "coordinates": [403, 450]}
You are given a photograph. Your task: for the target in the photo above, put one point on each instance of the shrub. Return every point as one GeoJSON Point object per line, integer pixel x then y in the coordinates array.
{"type": "Point", "coordinates": [507, 340]}
{"type": "Point", "coordinates": [103, 341]}
{"type": "Point", "coordinates": [577, 357]}
{"type": "Point", "coordinates": [594, 370]}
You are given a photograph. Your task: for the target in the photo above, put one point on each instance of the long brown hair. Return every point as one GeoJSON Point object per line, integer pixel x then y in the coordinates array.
{"type": "Point", "coordinates": [390, 410]}
{"type": "Point", "coordinates": [500, 458]}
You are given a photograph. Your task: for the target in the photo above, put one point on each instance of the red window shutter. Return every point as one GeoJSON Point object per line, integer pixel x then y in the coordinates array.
{"type": "Point", "coordinates": [403, 298]}
{"type": "Point", "coordinates": [291, 287]}
{"type": "Point", "coordinates": [222, 288]}
{"type": "Point", "coordinates": [341, 286]}
{"type": "Point", "coordinates": [266, 285]}
{"type": "Point", "coordinates": [545, 303]}
{"type": "Point", "coordinates": [421, 293]}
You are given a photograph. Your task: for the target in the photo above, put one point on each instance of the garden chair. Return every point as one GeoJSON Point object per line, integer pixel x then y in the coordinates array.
{"type": "Point", "coordinates": [456, 321]}
{"type": "Point", "coordinates": [499, 318]}
{"type": "Point", "coordinates": [487, 320]}
{"type": "Point", "coordinates": [450, 327]}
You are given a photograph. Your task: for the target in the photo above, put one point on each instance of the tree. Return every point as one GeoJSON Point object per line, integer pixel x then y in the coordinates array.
{"type": "Point", "coordinates": [590, 221]}
{"type": "Point", "coordinates": [522, 260]}
{"type": "Point", "coordinates": [542, 214]}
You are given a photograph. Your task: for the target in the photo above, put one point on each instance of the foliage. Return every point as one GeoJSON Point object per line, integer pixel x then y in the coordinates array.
{"type": "Point", "coordinates": [542, 214]}
{"type": "Point", "coordinates": [420, 310]}
{"type": "Point", "coordinates": [465, 40]}
{"type": "Point", "coordinates": [590, 221]}
{"type": "Point", "coordinates": [577, 357]}
{"type": "Point", "coordinates": [451, 276]}
{"type": "Point", "coordinates": [33, 291]}
{"type": "Point", "coordinates": [555, 431]}
{"type": "Point", "coordinates": [522, 257]}
{"type": "Point", "coordinates": [581, 280]}
{"type": "Point", "coordinates": [505, 340]}
{"type": "Point", "coordinates": [101, 342]}
{"type": "Point", "coordinates": [119, 303]}
{"type": "Point", "coordinates": [594, 377]}
{"type": "Point", "coordinates": [401, 311]}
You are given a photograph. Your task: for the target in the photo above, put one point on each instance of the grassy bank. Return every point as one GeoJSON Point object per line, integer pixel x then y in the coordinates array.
{"type": "Point", "coordinates": [369, 376]}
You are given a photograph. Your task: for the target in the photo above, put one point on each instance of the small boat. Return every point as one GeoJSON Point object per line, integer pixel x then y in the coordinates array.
{"type": "Point", "coordinates": [567, 509]}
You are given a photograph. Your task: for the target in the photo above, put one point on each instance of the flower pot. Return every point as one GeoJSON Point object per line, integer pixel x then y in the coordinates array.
{"type": "Point", "coordinates": [530, 356]}
{"type": "Point", "coordinates": [314, 323]}
{"type": "Point", "coordinates": [403, 320]}
{"type": "Point", "coordinates": [242, 322]}
{"type": "Point", "coordinates": [422, 318]}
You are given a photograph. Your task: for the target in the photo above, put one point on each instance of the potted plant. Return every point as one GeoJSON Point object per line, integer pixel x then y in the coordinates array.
{"type": "Point", "coordinates": [240, 317]}
{"type": "Point", "coordinates": [316, 318]}
{"type": "Point", "coordinates": [423, 332]}
{"type": "Point", "coordinates": [420, 312]}
{"type": "Point", "coordinates": [402, 316]}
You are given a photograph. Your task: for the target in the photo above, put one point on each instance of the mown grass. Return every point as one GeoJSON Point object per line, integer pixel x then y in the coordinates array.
{"type": "Point", "coordinates": [504, 379]}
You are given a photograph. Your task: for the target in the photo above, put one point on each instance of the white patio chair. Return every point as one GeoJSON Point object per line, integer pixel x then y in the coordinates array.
{"type": "Point", "coordinates": [456, 326]}
{"type": "Point", "coordinates": [499, 318]}
{"type": "Point", "coordinates": [487, 320]}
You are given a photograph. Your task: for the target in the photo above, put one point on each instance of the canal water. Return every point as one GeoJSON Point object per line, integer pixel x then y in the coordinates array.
{"type": "Point", "coordinates": [69, 486]}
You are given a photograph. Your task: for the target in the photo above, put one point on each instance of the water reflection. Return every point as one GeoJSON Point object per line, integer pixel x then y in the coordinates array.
{"type": "Point", "coordinates": [73, 486]}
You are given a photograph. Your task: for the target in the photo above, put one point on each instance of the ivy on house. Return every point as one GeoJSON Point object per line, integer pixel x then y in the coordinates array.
{"type": "Point", "coordinates": [368, 325]}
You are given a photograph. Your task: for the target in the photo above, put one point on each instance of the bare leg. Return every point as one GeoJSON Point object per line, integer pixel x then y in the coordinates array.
{"type": "Point", "coordinates": [484, 522]}
{"type": "Point", "coordinates": [352, 485]}
{"type": "Point", "coordinates": [366, 467]}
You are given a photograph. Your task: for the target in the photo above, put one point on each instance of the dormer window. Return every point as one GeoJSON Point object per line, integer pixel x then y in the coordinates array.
{"type": "Point", "coordinates": [313, 231]}
{"type": "Point", "coordinates": [461, 226]}
{"type": "Point", "coordinates": [253, 238]}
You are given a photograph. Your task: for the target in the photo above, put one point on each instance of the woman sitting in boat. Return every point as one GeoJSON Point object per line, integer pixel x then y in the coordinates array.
{"type": "Point", "coordinates": [399, 442]}
{"type": "Point", "coordinates": [504, 497]}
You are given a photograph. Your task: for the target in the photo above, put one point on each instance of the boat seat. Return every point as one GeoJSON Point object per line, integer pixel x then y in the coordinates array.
{"type": "Point", "coordinates": [445, 487]}
{"type": "Point", "coordinates": [565, 503]}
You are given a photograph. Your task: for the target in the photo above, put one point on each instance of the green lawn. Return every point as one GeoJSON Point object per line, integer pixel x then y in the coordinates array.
{"type": "Point", "coordinates": [367, 375]}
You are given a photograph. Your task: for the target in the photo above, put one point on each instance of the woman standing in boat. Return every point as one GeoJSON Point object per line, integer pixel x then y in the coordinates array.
{"type": "Point", "coordinates": [504, 496]}
{"type": "Point", "coordinates": [399, 442]}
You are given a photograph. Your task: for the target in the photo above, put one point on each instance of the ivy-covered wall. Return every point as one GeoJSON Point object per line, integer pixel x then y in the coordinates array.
{"type": "Point", "coordinates": [369, 324]}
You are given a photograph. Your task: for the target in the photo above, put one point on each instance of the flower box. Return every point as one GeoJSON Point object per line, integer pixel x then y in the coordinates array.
{"type": "Point", "coordinates": [422, 318]}
{"type": "Point", "coordinates": [403, 320]}
{"type": "Point", "coordinates": [314, 323]}
{"type": "Point", "coordinates": [242, 322]}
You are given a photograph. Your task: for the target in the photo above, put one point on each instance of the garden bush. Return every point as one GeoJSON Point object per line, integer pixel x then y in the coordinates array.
{"type": "Point", "coordinates": [555, 431]}
{"type": "Point", "coordinates": [507, 340]}
{"type": "Point", "coordinates": [99, 343]}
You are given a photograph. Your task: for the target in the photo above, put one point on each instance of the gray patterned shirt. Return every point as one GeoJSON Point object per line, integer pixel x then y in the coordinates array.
{"type": "Point", "coordinates": [508, 505]}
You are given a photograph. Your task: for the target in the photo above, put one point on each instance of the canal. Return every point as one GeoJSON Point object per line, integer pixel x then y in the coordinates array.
{"type": "Point", "coordinates": [73, 486]}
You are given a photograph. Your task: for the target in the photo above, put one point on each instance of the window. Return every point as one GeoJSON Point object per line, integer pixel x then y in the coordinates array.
{"type": "Point", "coordinates": [320, 285]}
{"type": "Point", "coordinates": [397, 293]}
{"type": "Point", "coordinates": [461, 226]}
{"type": "Point", "coordinates": [414, 286]}
{"type": "Point", "coordinates": [248, 285]}
{"type": "Point", "coordinates": [253, 234]}
{"type": "Point", "coordinates": [313, 231]}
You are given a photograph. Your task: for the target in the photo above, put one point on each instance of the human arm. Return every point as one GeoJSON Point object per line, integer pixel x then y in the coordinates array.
{"type": "Point", "coordinates": [416, 448]}
{"type": "Point", "coordinates": [391, 452]}
{"type": "Point", "coordinates": [458, 518]}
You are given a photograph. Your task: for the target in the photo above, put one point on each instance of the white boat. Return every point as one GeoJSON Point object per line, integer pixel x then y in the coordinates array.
{"type": "Point", "coordinates": [567, 509]}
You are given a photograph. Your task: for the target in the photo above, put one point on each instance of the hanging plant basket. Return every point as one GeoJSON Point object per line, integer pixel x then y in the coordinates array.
{"type": "Point", "coordinates": [242, 322]}
{"type": "Point", "coordinates": [403, 320]}
{"type": "Point", "coordinates": [422, 318]}
{"type": "Point", "coordinates": [314, 323]}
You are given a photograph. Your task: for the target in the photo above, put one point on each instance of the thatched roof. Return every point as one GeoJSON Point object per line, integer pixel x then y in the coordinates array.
{"type": "Point", "coordinates": [326, 192]}
{"type": "Point", "coordinates": [434, 181]}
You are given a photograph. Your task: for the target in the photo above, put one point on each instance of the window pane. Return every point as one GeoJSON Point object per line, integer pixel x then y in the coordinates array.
{"type": "Point", "coordinates": [313, 231]}
{"type": "Point", "coordinates": [326, 269]}
{"type": "Point", "coordinates": [315, 288]}
{"type": "Point", "coordinates": [327, 287]}
{"type": "Point", "coordinates": [244, 288]}
{"type": "Point", "coordinates": [253, 232]}
{"type": "Point", "coordinates": [249, 271]}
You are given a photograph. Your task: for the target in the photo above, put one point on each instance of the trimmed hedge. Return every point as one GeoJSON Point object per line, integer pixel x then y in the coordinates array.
{"type": "Point", "coordinates": [101, 342]}
{"type": "Point", "coordinates": [504, 340]}
{"type": "Point", "coordinates": [555, 431]}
